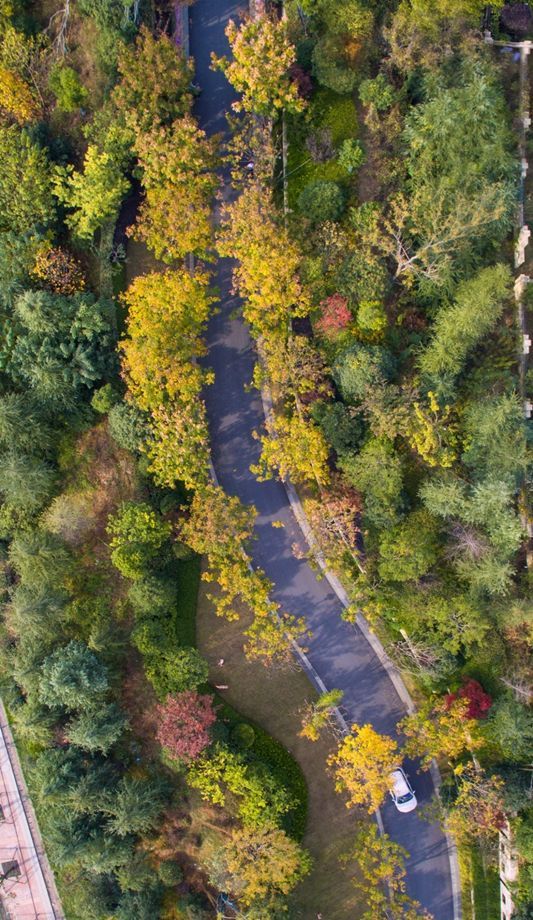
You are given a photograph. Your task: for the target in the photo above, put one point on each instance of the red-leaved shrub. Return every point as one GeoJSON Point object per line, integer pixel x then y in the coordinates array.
{"type": "Point", "coordinates": [184, 721]}
{"type": "Point", "coordinates": [336, 315]}
{"type": "Point", "coordinates": [479, 702]}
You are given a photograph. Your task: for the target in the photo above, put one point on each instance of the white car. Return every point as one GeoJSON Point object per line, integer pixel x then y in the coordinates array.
{"type": "Point", "coordinates": [401, 792]}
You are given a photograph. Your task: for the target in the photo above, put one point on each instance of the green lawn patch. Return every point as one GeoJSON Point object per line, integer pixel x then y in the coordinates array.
{"type": "Point", "coordinates": [480, 886]}
{"type": "Point", "coordinates": [187, 574]}
{"type": "Point", "coordinates": [327, 111]}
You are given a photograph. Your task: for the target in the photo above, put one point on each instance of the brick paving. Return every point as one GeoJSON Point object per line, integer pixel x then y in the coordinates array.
{"type": "Point", "coordinates": [29, 892]}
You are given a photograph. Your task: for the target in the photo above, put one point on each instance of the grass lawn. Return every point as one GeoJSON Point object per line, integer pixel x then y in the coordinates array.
{"type": "Point", "coordinates": [480, 887]}
{"type": "Point", "coordinates": [327, 112]}
{"type": "Point", "coordinates": [273, 700]}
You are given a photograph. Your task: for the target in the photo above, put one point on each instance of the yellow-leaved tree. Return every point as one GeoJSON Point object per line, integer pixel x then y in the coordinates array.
{"type": "Point", "coordinates": [362, 766]}
{"type": "Point", "coordinates": [266, 274]}
{"type": "Point", "coordinates": [167, 313]}
{"type": "Point", "coordinates": [178, 177]}
{"type": "Point", "coordinates": [263, 862]}
{"type": "Point", "coordinates": [293, 448]}
{"type": "Point", "coordinates": [17, 99]}
{"type": "Point", "coordinates": [441, 729]}
{"type": "Point", "coordinates": [260, 67]}
{"type": "Point", "coordinates": [218, 527]}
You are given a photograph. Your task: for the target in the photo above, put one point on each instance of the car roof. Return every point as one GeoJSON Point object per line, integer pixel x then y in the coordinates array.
{"type": "Point", "coordinates": [399, 782]}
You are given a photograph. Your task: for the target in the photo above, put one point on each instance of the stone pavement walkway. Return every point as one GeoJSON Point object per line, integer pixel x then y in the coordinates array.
{"type": "Point", "coordinates": [29, 893]}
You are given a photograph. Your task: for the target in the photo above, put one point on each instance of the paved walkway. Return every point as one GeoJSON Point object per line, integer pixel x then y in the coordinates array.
{"type": "Point", "coordinates": [31, 895]}
{"type": "Point", "coordinates": [339, 653]}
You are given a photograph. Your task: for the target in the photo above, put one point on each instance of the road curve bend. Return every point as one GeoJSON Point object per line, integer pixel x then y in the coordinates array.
{"type": "Point", "coordinates": [338, 652]}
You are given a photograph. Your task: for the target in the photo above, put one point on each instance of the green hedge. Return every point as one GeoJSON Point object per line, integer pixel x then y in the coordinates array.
{"type": "Point", "coordinates": [266, 750]}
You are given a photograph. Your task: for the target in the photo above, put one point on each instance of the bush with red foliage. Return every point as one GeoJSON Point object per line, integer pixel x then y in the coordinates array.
{"type": "Point", "coordinates": [303, 80]}
{"type": "Point", "coordinates": [336, 316]}
{"type": "Point", "coordinates": [184, 721]}
{"type": "Point", "coordinates": [479, 702]}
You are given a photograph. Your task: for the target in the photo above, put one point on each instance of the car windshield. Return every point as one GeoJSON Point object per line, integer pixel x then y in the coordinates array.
{"type": "Point", "coordinates": [402, 799]}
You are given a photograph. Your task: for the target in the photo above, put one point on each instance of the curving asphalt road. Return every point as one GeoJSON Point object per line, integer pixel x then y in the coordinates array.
{"type": "Point", "coordinates": [339, 653]}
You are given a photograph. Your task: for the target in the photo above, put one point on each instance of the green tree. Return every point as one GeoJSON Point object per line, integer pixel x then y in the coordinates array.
{"type": "Point", "coordinates": [153, 594]}
{"type": "Point", "coordinates": [430, 15]}
{"type": "Point", "coordinates": [377, 473]}
{"type": "Point", "coordinates": [495, 438]}
{"type": "Point", "coordinates": [410, 549]}
{"type": "Point", "coordinates": [484, 530]}
{"type": "Point", "coordinates": [77, 840]}
{"type": "Point", "coordinates": [67, 777]}
{"type": "Point", "coordinates": [176, 670]}
{"type": "Point", "coordinates": [22, 426]}
{"type": "Point", "coordinates": [438, 615]}
{"type": "Point", "coordinates": [140, 905]}
{"type": "Point", "coordinates": [138, 534]}
{"type": "Point", "coordinates": [261, 798]}
{"type": "Point", "coordinates": [136, 804]}
{"type": "Point", "coordinates": [26, 200]}
{"type": "Point", "coordinates": [97, 729]}
{"type": "Point", "coordinates": [72, 677]}
{"type": "Point", "coordinates": [461, 175]}
{"type": "Point", "coordinates": [63, 345]}
{"type": "Point", "coordinates": [26, 482]}
{"type": "Point", "coordinates": [321, 201]}
{"type": "Point", "coordinates": [34, 722]}
{"type": "Point", "coordinates": [377, 94]}
{"type": "Point", "coordinates": [511, 725]}
{"type": "Point", "coordinates": [345, 28]}
{"type": "Point", "coordinates": [128, 426]}
{"type": "Point", "coordinates": [67, 87]}
{"type": "Point", "coordinates": [35, 611]}
{"type": "Point", "coordinates": [360, 369]}
{"type": "Point", "coordinates": [41, 559]}
{"type": "Point", "coordinates": [479, 303]}
{"type": "Point", "coordinates": [93, 196]}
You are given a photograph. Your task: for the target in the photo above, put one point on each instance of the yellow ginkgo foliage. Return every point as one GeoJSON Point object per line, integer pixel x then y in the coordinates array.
{"type": "Point", "coordinates": [362, 766]}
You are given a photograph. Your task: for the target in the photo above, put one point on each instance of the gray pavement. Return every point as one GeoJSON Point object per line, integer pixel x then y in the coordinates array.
{"type": "Point", "coordinates": [339, 652]}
